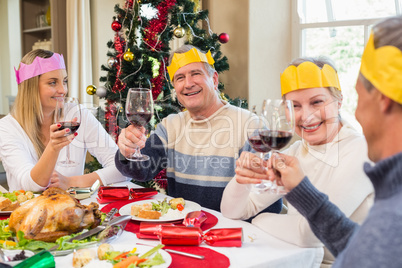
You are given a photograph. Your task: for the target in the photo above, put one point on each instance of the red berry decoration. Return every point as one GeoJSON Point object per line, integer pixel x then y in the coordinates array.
{"type": "Point", "coordinates": [223, 38]}
{"type": "Point", "coordinates": [116, 26]}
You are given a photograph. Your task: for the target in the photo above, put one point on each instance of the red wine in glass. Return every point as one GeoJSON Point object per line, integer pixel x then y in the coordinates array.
{"type": "Point", "coordinates": [278, 130]}
{"type": "Point", "coordinates": [73, 126]}
{"type": "Point", "coordinates": [275, 139]}
{"type": "Point", "coordinates": [68, 114]}
{"type": "Point", "coordinates": [139, 119]}
{"type": "Point", "coordinates": [258, 145]}
{"type": "Point", "coordinates": [139, 111]}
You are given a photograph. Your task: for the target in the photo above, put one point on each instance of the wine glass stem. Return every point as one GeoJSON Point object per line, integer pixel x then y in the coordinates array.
{"type": "Point", "coordinates": [68, 154]}
{"type": "Point", "coordinates": [137, 153]}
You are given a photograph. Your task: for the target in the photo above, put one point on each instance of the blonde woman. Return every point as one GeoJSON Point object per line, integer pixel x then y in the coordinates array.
{"type": "Point", "coordinates": [30, 141]}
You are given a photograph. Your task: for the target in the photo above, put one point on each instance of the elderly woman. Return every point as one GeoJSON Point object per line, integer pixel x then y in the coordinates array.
{"type": "Point", "coordinates": [331, 151]}
{"type": "Point", "coordinates": [30, 140]}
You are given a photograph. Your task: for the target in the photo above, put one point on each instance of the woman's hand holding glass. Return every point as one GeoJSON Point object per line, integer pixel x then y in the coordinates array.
{"type": "Point", "coordinates": [58, 139]}
{"type": "Point", "coordinates": [251, 169]}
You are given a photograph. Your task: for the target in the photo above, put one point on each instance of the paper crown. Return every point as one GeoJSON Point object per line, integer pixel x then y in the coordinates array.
{"type": "Point", "coordinates": [383, 68]}
{"type": "Point", "coordinates": [308, 75]}
{"type": "Point", "coordinates": [193, 55]}
{"type": "Point", "coordinates": [39, 66]}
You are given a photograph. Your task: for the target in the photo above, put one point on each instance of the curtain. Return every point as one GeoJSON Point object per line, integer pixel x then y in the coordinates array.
{"type": "Point", "coordinates": [79, 49]}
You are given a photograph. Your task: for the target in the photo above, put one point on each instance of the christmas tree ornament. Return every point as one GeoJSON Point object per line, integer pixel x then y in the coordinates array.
{"type": "Point", "coordinates": [101, 92]}
{"type": "Point", "coordinates": [111, 61]}
{"type": "Point", "coordinates": [116, 25]}
{"type": "Point", "coordinates": [179, 32]}
{"type": "Point", "coordinates": [223, 38]}
{"type": "Point", "coordinates": [91, 89]}
{"type": "Point", "coordinates": [128, 56]}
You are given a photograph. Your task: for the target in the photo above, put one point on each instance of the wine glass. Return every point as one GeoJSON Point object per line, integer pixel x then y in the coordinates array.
{"type": "Point", "coordinates": [278, 129]}
{"type": "Point", "coordinates": [139, 111]}
{"type": "Point", "coordinates": [68, 115]}
{"type": "Point", "coordinates": [254, 138]}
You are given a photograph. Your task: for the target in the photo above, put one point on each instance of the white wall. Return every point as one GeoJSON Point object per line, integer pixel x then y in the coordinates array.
{"type": "Point", "coordinates": [270, 47]}
{"type": "Point", "coordinates": [232, 17]}
{"type": "Point", "coordinates": [102, 12]}
{"type": "Point", "coordinates": [10, 51]}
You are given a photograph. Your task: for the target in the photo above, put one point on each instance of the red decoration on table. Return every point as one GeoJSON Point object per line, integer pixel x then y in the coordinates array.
{"type": "Point", "coordinates": [178, 235]}
{"type": "Point", "coordinates": [223, 38]}
{"type": "Point", "coordinates": [194, 219]}
{"type": "Point", "coordinates": [212, 258]}
{"type": "Point", "coordinates": [107, 194]}
{"type": "Point", "coordinates": [134, 226]}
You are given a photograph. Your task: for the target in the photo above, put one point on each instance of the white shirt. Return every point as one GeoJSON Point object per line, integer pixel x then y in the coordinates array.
{"type": "Point", "coordinates": [19, 156]}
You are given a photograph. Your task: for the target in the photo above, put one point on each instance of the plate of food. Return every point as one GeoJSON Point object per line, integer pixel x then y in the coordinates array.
{"type": "Point", "coordinates": [11, 201]}
{"type": "Point", "coordinates": [107, 255]}
{"type": "Point", "coordinates": [159, 210]}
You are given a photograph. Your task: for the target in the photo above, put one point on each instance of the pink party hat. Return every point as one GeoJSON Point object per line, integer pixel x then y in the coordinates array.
{"type": "Point", "coordinates": [39, 66]}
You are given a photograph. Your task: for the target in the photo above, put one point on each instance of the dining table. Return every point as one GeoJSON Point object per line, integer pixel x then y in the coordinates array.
{"type": "Point", "coordinates": [258, 249]}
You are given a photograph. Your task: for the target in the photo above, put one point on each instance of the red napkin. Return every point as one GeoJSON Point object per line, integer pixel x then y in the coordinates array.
{"type": "Point", "coordinates": [108, 194]}
{"type": "Point", "coordinates": [134, 226]}
{"type": "Point", "coordinates": [212, 258]}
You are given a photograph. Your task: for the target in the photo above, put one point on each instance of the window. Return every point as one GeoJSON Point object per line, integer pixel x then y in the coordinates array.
{"type": "Point", "coordinates": [339, 29]}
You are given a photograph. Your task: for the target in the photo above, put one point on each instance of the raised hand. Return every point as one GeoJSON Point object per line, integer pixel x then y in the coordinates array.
{"type": "Point", "coordinates": [130, 138]}
{"type": "Point", "coordinates": [286, 170]}
{"type": "Point", "coordinates": [250, 169]}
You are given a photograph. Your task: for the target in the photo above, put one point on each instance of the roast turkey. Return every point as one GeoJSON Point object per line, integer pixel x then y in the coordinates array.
{"type": "Point", "coordinates": [53, 214]}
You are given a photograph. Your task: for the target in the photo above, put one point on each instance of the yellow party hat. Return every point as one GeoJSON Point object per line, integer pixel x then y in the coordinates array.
{"type": "Point", "coordinates": [308, 75]}
{"type": "Point", "coordinates": [383, 68]}
{"type": "Point", "coordinates": [193, 55]}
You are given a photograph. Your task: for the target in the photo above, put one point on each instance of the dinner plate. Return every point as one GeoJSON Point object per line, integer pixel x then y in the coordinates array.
{"type": "Point", "coordinates": [177, 215]}
{"type": "Point", "coordinates": [96, 263]}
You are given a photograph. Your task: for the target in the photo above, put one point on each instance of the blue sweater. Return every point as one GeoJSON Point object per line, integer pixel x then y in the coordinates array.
{"type": "Point", "coordinates": [199, 155]}
{"type": "Point", "coordinates": [378, 241]}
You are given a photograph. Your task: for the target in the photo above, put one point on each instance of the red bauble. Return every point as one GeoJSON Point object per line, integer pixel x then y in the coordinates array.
{"type": "Point", "coordinates": [223, 38]}
{"type": "Point", "coordinates": [116, 26]}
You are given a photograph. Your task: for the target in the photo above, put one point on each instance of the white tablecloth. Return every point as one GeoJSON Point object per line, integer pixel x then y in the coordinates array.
{"type": "Point", "coordinates": [259, 249]}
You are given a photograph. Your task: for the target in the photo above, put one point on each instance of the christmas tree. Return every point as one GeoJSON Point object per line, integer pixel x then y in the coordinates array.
{"type": "Point", "coordinates": [138, 56]}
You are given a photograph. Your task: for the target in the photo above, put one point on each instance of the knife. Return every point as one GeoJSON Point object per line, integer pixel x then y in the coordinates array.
{"type": "Point", "coordinates": [108, 220]}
